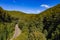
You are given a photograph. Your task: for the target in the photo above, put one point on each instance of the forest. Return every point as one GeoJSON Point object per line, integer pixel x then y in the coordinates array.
{"type": "Point", "coordinates": [42, 26]}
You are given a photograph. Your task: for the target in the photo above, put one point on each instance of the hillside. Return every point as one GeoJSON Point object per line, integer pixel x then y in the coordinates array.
{"type": "Point", "coordinates": [42, 26]}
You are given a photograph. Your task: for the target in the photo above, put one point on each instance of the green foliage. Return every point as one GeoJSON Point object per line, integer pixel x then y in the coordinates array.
{"type": "Point", "coordinates": [6, 31]}
{"type": "Point", "coordinates": [43, 26]}
{"type": "Point", "coordinates": [6, 25]}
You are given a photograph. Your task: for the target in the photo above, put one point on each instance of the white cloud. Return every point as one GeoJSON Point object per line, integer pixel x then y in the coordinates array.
{"type": "Point", "coordinates": [38, 11]}
{"type": "Point", "coordinates": [46, 6]}
{"type": "Point", "coordinates": [34, 11]}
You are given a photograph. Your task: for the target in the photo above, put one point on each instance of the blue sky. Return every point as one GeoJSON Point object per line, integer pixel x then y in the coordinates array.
{"type": "Point", "coordinates": [28, 6]}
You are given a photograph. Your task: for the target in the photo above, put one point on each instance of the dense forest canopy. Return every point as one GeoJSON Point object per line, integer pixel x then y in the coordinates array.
{"type": "Point", "coordinates": [42, 26]}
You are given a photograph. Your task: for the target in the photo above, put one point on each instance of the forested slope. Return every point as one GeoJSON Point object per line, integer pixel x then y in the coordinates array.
{"type": "Point", "coordinates": [42, 26]}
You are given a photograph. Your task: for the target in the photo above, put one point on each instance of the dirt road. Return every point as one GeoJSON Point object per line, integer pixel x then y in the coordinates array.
{"type": "Point", "coordinates": [17, 32]}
